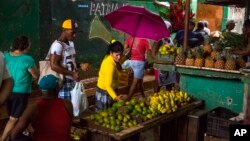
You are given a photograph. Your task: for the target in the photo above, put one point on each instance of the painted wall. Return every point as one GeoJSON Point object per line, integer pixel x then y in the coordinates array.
{"type": "Point", "coordinates": [237, 14]}
{"type": "Point", "coordinates": [19, 17]}
{"type": "Point", "coordinates": [212, 13]}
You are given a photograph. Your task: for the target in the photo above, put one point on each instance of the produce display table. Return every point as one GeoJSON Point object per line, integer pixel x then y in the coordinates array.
{"type": "Point", "coordinates": [133, 133]}
{"type": "Point", "coordinates": [216, 87]}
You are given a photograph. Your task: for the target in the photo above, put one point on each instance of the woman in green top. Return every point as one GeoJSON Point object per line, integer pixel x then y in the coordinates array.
{"type": "Point", "coordinates": [22, 68]}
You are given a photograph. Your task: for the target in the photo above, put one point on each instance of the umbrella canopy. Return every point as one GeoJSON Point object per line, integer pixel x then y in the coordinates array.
{"type": "Point", "coordinates": [138, 22]}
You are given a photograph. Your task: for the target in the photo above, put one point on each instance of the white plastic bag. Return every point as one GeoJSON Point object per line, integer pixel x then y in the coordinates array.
{"type": "Point", "coordinates": [79, 99]}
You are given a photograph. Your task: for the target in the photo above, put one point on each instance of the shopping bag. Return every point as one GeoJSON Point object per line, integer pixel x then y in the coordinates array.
{"type": "Point", "coordinates": [45, 67]}
{"type": "Point", "coordinates": [79, 99]}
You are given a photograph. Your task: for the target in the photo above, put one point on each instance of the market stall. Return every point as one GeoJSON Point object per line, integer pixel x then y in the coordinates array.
{"type": "Point", "coordinates": [100, 133]}
{"type": "Point", "coordinates": [216, 87]}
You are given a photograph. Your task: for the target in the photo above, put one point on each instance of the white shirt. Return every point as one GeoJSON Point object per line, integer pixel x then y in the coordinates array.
{"type": "Point", "coordinates": [207, 30]}
{"type": "Point", "coordinates": [4, 73]}
{"type": "Point", "coordinates": [68, 60]}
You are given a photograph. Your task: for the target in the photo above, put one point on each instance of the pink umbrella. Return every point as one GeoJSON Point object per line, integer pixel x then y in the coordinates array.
{"type": "Point", "coordinates": [138, 22]}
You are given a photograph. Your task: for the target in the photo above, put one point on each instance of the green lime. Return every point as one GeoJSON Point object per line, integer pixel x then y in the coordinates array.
{"type": "Point", "coordinates": [112, 127]}
{"type": "Point", "coordinates": [119, 117]}
{"type": "Point", "coordinates": [130, 108]}
{"type": "Point", "coordinates": [124, 124]}
{"type": "Point", "coordinates": [134, 122]}
{"type": "Point", "coordinates": [107, 126]}
{"type": "Point", "coordinates": [106, 120]}
{"type": "Point", "coordinates": [113, 122]}
{"type": "Point", "coordinates": [130, 124]}
{"type": "Point", "coordinates": [142, 104]}
{"type": "Point", "coordinates": [118, 122]}
{"type": "Point", "coordinates": [133, 101]}
{"type": "Point", "coordinates": [117, 128]}
{"type": "Point", "coordinates": [144, 113]}
{"type": "Point", "coordinates": [104, 113]}
{"type": "Point", "coordinates": [92, 117]}
{"type": "Point", "coordinates": [125, 119]}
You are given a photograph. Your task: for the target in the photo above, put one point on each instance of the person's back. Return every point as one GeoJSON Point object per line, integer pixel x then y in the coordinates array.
{"type": "Point", "coordinates": [22, 68]}
{"type": "Point", "coordinates": [49, 116]}
{"type": "Point", "coordinates": [19, 69]}
{"type": "Point", "coordinates": [52, 121]}
{"type": "Point", "coordinates": [179, 38]}
{"type": "Point", "coordinates": [139, 47]}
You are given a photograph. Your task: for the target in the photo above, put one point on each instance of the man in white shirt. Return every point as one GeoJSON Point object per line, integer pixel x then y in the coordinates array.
{"type": "Point", "coordinates": [206, 27]}
{"type": "Point", "coordinates": [6, 81]}
{"type": "Point", "coordinates": [63, 57]}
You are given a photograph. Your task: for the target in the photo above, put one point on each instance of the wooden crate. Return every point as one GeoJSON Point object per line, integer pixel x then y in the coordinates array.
{"type": "Point", "coordinates": [212, 138]}
{"type": "Point", "coordinates": [125, 78]}
{"type": "Point", "coordinates": [189, 127]}
{"type": "Point", "coordinates": [173, 127]}
{"type": "Point", "coordinates": [95, 136]}
{"type": "Point", "coordinates": [174, 130]}
{"type": "Point", "coordinates": [197, 125]}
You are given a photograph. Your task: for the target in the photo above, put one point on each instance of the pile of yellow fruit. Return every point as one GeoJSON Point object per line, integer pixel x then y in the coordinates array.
{"type": "Point", "coordinates": [166, 49]}
{"type": "Point", "coordinates": [167, 101]}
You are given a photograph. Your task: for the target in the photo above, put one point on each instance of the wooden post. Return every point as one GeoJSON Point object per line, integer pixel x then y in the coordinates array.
{"type": "Point", "coordinates": [247, 12]}
{"type": "Point", "coordinates": [246, 99]}
{"type": "Point", "coordinates": [187, 11]}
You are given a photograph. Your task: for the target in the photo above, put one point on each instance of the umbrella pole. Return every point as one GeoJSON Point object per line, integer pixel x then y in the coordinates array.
{"type": "Point", "coordinates": [187, 11]}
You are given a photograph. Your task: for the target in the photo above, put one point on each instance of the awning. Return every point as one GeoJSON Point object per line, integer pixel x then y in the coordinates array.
{"type": "Point", "coordinates": [238, 3]}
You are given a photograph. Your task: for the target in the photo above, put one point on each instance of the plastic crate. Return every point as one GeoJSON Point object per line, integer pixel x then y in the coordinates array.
{"type": "Point", "coordinates": [218, 122]}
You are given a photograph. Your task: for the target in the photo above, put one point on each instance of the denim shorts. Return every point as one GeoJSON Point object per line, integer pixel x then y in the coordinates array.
{"type": "Point", "coordinates": [138, 68]}
{"type": "Point", "coordinates": [16, 104]}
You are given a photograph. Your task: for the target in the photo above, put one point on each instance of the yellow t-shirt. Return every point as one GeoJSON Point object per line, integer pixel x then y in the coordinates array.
{"type": "Point", "coordinates": [108, 79]}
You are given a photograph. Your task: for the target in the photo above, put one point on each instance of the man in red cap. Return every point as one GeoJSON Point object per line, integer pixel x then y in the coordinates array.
{"type": "Point", "coordinates": [63, 57]}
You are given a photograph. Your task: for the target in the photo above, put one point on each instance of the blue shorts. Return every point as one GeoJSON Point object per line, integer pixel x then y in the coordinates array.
{"type": "Point", "coordinates": [16, 104]}
{"type": "Point", "coordinates": [138, 68]}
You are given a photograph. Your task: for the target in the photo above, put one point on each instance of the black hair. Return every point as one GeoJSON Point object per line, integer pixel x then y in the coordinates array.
{"type": "Point", "coordinates": [200, 25]}
{"type": "Point", "coordinates": [116, 46]}
{"type": "Point", "coordinates": [205, 23]}
{"type": "Point", "coordinates": [20, 43]}
{"type": "Point", "coordinates": [247, 23]}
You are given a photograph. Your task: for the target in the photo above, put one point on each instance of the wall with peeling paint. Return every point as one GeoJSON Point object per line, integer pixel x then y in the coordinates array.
{"type": "Point", "coordinates": [41, 22]}
{"type": "Point", "coordinates": [19, 17]}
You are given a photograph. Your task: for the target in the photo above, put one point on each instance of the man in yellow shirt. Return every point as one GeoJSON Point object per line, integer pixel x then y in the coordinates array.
{"type": "Point", "coordinates": [108, 79]}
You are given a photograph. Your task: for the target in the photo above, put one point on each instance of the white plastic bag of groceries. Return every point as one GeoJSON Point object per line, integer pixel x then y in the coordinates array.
{"type": "Point", "coordinates": [79, 99]}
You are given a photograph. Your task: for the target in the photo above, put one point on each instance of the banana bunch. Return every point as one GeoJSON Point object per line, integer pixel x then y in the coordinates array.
{"type": "Point", "coordinates": [167, 101]}
{"type": "Point", "coordinates": [182, 98]}
{"type": "Point", "coordinates": [77, 133]}
{"type": "Point", "coordinates": [167, 49]}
